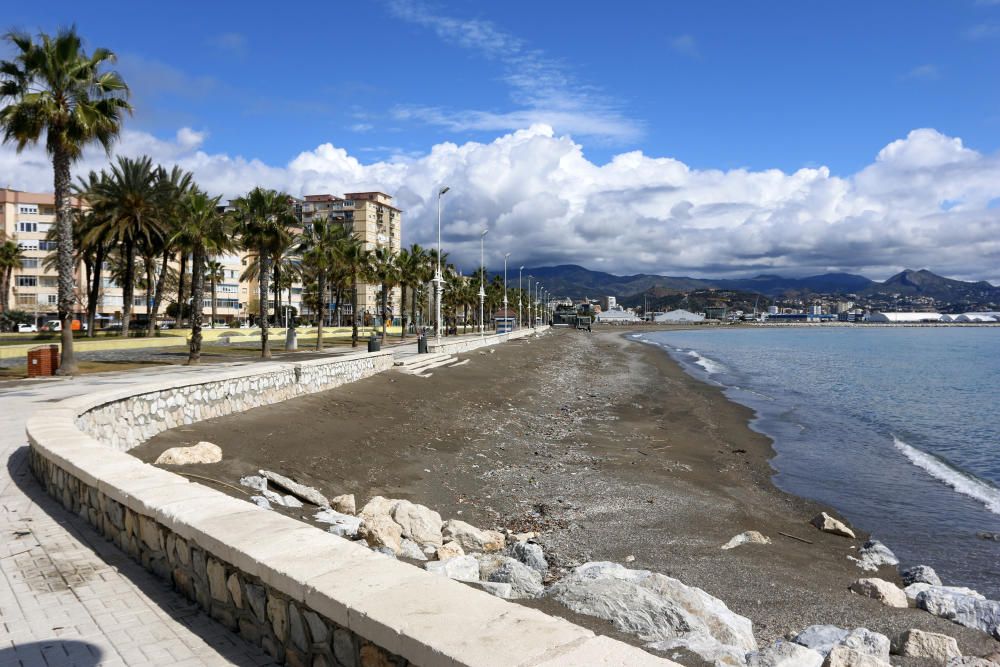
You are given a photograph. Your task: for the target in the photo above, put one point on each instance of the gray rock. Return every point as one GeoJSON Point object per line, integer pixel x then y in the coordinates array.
{"type": "Point", "coordinates": [385, 551]}
{"type": "Point", "coordinates": [462, 568]}
{"type": "Point", "coordinates": [420, 524]}
{"type": "Point", "coordinates": [255, 482]}
{"type": "Point", "coordinates": [841, 656]}
{"type": "Point", "coordinates": [297, 628]}
{"type": "Point", "coordinates": [292, 501]}
{"type": "Point", "coordinates": [306, 493]}
{"type": "Point", "coordinates": [972, 611]}
{"type": "Point", "coordinates": [658, 609]}
{"type": "Point", "coordinates": [874, 555]}
{"type": "Point", "coordinates": [971, 661]}
{"type": "Point", "coordinates": [530, 554]}
{"type": "Point", "coordinates": [343, 525]}
{"type": "Point", "coordinates": [785, 654]}
{"type": "Point", "coordinates": [828, 524]}
{"type": "Point", "coordinates": [261, 501]}
{"type": "Point", "coordinates": [870, 643]}
{"type": "Point", "coordinates": [884, 591]}
{"type": "Point", "coordinates": [821, 638]}
{"type": "Point", "coordinates": [929, 645]}
{"type": "Point", "coordinates": [505, 591]}
{"type": "Point", "coordinates": [920, 574]}
{"type": "Point", "coordinates": [524, 581]}
{"type": "Point", "coordinates": [410, 549]}
{"type": "Point", "coordinates": [748, 537]}
{"type": "Point", "coordinates": [913, 590]}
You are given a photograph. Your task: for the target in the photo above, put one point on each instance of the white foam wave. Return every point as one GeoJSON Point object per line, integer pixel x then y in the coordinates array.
{"type": "Point", "coordinates": [709, 365]}
{"type": "Point", "coordinates": [962, 482]}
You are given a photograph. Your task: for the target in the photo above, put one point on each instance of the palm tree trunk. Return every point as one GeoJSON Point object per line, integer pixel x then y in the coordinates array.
{"type": "Point", "coordinates": [336, 305]}
{"type": "Point", "coordinates": [385, 305]}
{"type": "Point", "coordinates": [354, 310]}
{"type": "Point", "coordinates": [277, 294]}
{"type": "Point", "coordinates": [214, 314]}
{"type": "Point", "coordinates": [64, 250]}
{"type": "Point", "coordinates": [413, 309]}
{"type": "Point", "coordinates": [321, 288]}
{"type": "Point", "coordinates": [149, 266]}
{"type": "Point", "coordinates": [265, 269]}
{"type": "Point", "coordinates": [402, 310]}
{"type": "Point", "coordinates": [94, 291]}
{"type": "Point", "coordinates": [180, 290]}
{"type": "Point", "coordinates": [197, 289]}
{"type": "Point", "coordinates": [128, 289]}
{"type": "Point", "coordinates": [161, 284]}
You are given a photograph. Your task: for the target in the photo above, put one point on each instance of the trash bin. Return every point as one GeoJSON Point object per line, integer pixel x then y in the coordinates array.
{"type": "Point", "coordinates": [43, 361]}
{"type": "Point", "coordinates": [374, 344]}
{"type": "Point", "coordinates": [422, 344]}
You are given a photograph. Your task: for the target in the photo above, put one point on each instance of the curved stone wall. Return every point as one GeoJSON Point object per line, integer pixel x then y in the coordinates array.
{"type": "Point", "coordinates": [306, 596]}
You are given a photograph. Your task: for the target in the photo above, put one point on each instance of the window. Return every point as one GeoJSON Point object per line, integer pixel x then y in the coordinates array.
{"type": "Point", "coordinates": [226, 289]}
{"type": "Point", "coordinates": [29, 262]}
{"type": "Point", "coordinates": [47, 210]}
{"type": "Point", "coordinates": [51, 299]}
{"type": "Point", "coordinates": [26, 300]}
{"type": "Point", "coordinates": [44, 227]}
{"type": "Point", "coordinates": [47, 245]}
{"type": "Point", "coordinates": [108, 282]}
{"type": "Point", "coordinates": [48, 281]}
{"type": "Point", "coordinates": [27, 226]}
{"type": "Point", "coordinates": [27, 281]}
{"type": "Point", "coordinates": [30, 244]}
{"type": "Point", "coordinates": [28, 209]}
{"type": "Point", "coordinates": [138, 301]}
{"type": "Point", "coordinates": [112, 301]}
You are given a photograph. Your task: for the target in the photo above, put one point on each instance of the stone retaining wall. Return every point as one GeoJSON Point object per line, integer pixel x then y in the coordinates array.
{"type": "Point", "coordinates": [307, 597]}
{"type": "Point", "coordinates": [468, 343]}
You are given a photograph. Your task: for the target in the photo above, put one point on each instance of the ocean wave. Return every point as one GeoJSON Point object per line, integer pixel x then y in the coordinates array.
{"type": "Point", "coordinates": [962, 482]}
{"type": "Point", "coordinates": [710, 366]}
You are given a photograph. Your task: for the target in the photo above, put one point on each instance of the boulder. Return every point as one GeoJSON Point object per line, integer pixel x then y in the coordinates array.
{"type": "Point", "coordinates": [821, 638]}
{"type": "Point", "coordinates": [929, 645]}
{"type": "Point", "coordinates": [884, 591]}
{"type": "Point", "coordinates": [420, 524]}
{"type": "Point", "coordinates": [841, 656]}
{"type": "Point", "coordinates": [972, 611]}
{"type": "Point", "coordinates": [913, 590]}
{"type": "Point", "coordinates": [450, 550]}
{"type": "Point", "coordinates": [381, 531]}
{"type": "Point", "coordinates": [530, 554]}
{"type": "Point", "coordinates": [524, 581]}
{"type": "Point", "coordinates": [471, 538]}
{"type": "Point", "coordinates": [749, 537]}
{"type": "Point", "coordinates": [970, 661]}
{"type": "Point", "coordinates": [785, 654]}
{"type": "Point", "coordinates": [260, 501]}
{"type": "Point", "coordinates": [504, 591]}
{"type": "Point", "coordinates": [203, 452]}
{"type": "Point", "coordinates": [385, 551]}
{"type": "Point", "coordinates": [870, 643]}
{"type": "Point", "coordinates": [410, 549]}
{"type": "Point", "coordinates": [920, 574]}
{"type": "Point", "coordinates": [301, 491]}
{"type": "Point", "coordinates": [658, 609]}
{"type": "Point", "coordinates": [343, 525]}
{"type": "Point", "coordinates": [462, 568]}
{"type": "Point", "coordinates": [255, 482]}
{"type": "Point", "coordinates": [344, 504]}
{"type": "Point", "coordinates": [378, 506]}
{"type": "Point", "coordinates": [292, 501]}
{"type": "Point", "coordinates": [874, 555]}
{"type": "Point", "coordinates": [828, 524]}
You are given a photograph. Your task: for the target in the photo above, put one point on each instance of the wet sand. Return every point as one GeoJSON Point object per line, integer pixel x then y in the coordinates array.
{"type": "Point", "coordinates": [603, 444]}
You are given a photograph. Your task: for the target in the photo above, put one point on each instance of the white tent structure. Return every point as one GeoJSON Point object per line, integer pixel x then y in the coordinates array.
{"type": "Point", "coordinates": [977, 317]}
{"type": "Point", "coordinates": [617, 317]}
{"type": "Point", "coordinates": [678, 316]}
{"type": "Point", "coordinates": [904, 318]}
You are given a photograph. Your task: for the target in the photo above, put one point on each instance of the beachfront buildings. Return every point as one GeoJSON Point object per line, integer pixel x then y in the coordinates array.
{"type": "Point", "coordinates": [26, 218]}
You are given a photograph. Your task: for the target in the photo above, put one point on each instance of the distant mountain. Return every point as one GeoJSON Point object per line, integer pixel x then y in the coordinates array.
{"type": "Point", "coordinates": [579, 282]}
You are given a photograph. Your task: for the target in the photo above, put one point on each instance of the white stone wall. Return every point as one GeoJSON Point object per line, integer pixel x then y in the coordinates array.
{"type": "Point", "coordinates": [469, 343]}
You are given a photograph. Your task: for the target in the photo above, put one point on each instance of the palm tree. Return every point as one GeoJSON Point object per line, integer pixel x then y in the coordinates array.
{"type": "Point", "coordinates": [355, 261]}
{"type": "Point", "coordinates": [172, 187]}
{"type": "Point", "coordinates": [383, 271]}
{"type": "Point", "coordinates": [54, 88]}
{"type": "Point", "coordinates": [410, 263]}
{"type": "Point", "coordinates": [214, 271]}
{"type": "Point", "coordinates": [10, 259]}
{"type": "Point", "coordinates": [319, 245]}
{"type": "Point", "coordinates": [262, 221]}
{"type": "Point", "coordinates": [92, 244]}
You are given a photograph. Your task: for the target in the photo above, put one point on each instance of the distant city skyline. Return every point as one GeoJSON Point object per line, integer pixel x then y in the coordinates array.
{"type": "Point", "coordinates": [708, 139]}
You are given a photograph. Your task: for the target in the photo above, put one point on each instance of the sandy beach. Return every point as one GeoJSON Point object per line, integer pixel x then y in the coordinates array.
{"type": "Point", "coordinates": [603, 445]}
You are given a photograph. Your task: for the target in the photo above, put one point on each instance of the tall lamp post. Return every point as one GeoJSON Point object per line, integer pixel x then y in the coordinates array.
{"type": "Point", "coordinates": [519, 270]}
{"type": "Point", "coordinates": [505, 258]}
{"type": "Point", "coordinates": [482, 284]}
{"type": "Point", "coordinates": [438, 278]}
{"type": "Point", "coordinates": [538, 303]}
{"type": "Point", "coordinates": [528, 300]}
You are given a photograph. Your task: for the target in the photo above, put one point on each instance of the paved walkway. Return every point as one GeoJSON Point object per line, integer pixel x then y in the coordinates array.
{"type": "Point", "coordinates": [67, 596]}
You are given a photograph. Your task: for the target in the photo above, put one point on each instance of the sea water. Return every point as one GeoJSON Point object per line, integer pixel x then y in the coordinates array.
{"type": "Point", "coordinates": [896, 428]}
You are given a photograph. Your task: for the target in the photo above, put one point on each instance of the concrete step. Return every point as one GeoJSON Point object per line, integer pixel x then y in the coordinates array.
{"type": "Point", "coordinates": [428, 366]}
{"type": "Point", "coordinates": [418, 360]}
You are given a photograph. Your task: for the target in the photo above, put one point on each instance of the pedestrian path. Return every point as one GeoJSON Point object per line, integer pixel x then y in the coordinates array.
{"type": "Point", "coordinates": [67, 596]}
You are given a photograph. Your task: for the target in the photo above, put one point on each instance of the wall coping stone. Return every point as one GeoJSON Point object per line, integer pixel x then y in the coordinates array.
{"type": "Point", "coordinates": [425, 618]}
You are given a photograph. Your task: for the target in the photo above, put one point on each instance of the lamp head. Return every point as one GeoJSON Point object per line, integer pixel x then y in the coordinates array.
{"type": "Point", "coordinates": [443, 190]}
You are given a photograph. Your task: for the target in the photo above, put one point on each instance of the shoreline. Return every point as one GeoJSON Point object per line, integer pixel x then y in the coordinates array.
{"type": "Point", "coordinates": [605, 444]}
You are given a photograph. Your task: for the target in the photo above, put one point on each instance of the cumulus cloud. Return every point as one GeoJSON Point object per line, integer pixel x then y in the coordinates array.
{"type": "Point", "coordinates": [926, 200]}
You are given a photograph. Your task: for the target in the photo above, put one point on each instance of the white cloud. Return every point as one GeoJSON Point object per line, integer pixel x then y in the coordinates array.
{"type": "Point", "coordinates": [686, 45]}
{"type": "Point", "coordinates": [926, 200]}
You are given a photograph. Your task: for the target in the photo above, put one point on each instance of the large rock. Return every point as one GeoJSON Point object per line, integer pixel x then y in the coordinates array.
{"type": "Point", "coordinates": [930, 645]}
{"type": "Point", "coordinates": [785, 654]}
{"type": "Point", "coordinates": [971, 661]}
{"type": "Point", "coordinates": [255, 482]}
{"type": "Point", "coordinates": [344, 504]}
{"type": "Point", "coordinates": [920, 574]}
{"type": "Point", "coordinates": [884, 591]}
{"type": "Point", "coordinates": [471, 538]}
{"type": "Point", "coordinates": [449, 550]}
{"type": "Point", "coordinates": [972, 611]}
{"type": "Point", "coordinates": [824, 638]}
{"type": "Point", "coordinates": [343, 525]}
{"type": "Point", "coordinates": [821, 638]}
{"type": "Point", "coordinates": [462, 568]}
{"type": "Point", "coordinates": [420, 524]}
{"type": "Point", "coordinates": [301, 491]}
{"type": "Point", "coordinates": [410, 549]}
{"type": "Point", "coordinates": [870, 643]}
{"type": "Point", "coordinates": [748, 537]}
{"type": "Point", "coordinates": [828, 524]}
{"type": "Point", "coordinates": [914, 590]}
{"type": "Point", "coordinates": [378, 506]}
{"type": "Point", "coordinates": [530, 554]}
{"type": "Point", "coordinates": [658, 609]}
{"type": "Point", "coordinates": [524, 581]}
{"type": "Point", "coordinates": [874, 555]}
{"type": "Point", "coordinates": [841, 656]}
{"type": "Point", "coordinates": [203, 452]}
{"type": "Point", "coordinates": [381, 531]}
{"type": "Point", "coordinates": [505, 591]}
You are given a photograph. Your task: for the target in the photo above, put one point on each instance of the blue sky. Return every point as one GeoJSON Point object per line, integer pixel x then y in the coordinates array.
{"type": "Point", "coordinates": [698, 138]}
{"type": "Point", "coordinates": [714, 84]}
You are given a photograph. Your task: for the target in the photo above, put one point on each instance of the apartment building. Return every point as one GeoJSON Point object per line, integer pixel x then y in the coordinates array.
{"type": "Point", "coordinates": [374, 221]}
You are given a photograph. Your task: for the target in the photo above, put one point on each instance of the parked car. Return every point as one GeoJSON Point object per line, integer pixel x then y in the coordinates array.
{"type": "Point", "coordinates": [27, 328]}
{"type": "Point", "coordinates": [56, 325]}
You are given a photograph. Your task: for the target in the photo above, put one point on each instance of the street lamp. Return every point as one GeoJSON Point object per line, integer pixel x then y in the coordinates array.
{"type": "Point", "coordinates": [505, 257]}
{"type": "Point", "coordinates": [528, 300]}
{"type": "Point", "coordinates": [519, 296]}
{"type": "Point", "coordinates": [482, 284]}
{"type": "Point", "coordinates": [438, 278]}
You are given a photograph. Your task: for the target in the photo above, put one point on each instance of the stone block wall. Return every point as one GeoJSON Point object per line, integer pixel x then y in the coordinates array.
{"type": "Point", "coordinates": [467, 344]}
